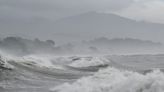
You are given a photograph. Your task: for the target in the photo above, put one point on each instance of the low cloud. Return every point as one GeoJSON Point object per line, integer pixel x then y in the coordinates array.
{"type": "Point", "coordinates": [55, 9]}
{"type": "Point", "coordinates": [145, 10]}
{"type": "Point", "coordinates": [24, 10]}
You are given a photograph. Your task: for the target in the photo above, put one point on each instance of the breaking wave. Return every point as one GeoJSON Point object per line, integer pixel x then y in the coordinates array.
{"type": "Point", "coordinates": [80, 74]}
{"type": "Point", "coordinates": [114, 80]}
{"type": "Point", "coordinates": [89, 61]}
{"type": "Point", "coordinates": [43, 66]}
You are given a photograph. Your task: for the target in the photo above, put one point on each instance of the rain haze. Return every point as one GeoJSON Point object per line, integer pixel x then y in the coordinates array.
{"type": "Point", "coordinates": [37, 18]}
{"type": "Point", "coordinates": [81, 46]}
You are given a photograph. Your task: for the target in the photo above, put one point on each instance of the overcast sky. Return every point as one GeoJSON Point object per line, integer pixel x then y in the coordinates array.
{"type": "Point", "coordinates": [150, 10]}
{"type": "Point", "coordinates": [16, 14]}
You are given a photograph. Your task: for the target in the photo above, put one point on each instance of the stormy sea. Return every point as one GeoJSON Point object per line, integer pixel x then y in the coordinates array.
{"type": "Point", "coordinates": [95, 73]}
{"type": "Point", "coordinates": [81, 46]}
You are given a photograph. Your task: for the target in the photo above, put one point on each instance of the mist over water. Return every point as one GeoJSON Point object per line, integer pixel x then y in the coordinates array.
{"type": "Point", "coordinates": [96, 65]}
{"type": "Point", "coordinates": [81, 46]}
{"type": "Point", "coordinates": [111, 73]}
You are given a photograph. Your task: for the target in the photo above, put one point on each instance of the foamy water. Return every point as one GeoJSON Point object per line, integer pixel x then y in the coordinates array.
{"type": "Point", "coordinates": [114, 80]}
{"type": "Point", "coordinates": [90, 61]}
{"type": "Point", "coordinates": [36, 73]}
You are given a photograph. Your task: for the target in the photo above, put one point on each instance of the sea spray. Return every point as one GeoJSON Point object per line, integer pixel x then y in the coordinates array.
{"type": "Point", "coordinates": [114, 80]}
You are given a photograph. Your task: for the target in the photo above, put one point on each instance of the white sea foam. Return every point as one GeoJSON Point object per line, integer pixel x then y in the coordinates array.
{"type": "Point", "coordinates": [114, 80]}
{"type": "Point", "coordinates": [90, 61]}
{"type": "Point", "coordinates": [40, 61]}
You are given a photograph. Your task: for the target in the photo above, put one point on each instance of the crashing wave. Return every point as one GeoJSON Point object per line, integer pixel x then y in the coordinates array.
{"type": "Point", "coordinates": [43, 66]}
{"type": "Point", "coordinates": [114, 80]}
{"type": "Point", "coordinates": [89, 61]}
{"type": "Point", "coordinates": [4, 64]}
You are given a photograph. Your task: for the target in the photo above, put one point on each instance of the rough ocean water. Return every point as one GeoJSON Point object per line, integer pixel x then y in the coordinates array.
{"type": "Point", "coordinates": [110, 73]}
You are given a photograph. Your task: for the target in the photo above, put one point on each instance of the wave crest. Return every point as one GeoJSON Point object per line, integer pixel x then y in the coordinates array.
{"type": "Point", "coordinates": [89, 61]}
{"type": "Point", "coordinates": [114, 80]}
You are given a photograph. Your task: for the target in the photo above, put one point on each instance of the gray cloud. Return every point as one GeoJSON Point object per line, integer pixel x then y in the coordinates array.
{"type": "Point", "coordinates": [54, 9]}
{"type": "Point", "coordinates": [31, 18]}
{"type": "Point", "coordinates": [147, 10]}
{"type": "Point", "coordinates": [26, 10]}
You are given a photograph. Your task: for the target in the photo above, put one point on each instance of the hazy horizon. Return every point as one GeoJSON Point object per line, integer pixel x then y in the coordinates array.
{"type": "Point", "coordinates": [38, 19]}
{"type": "Point", "coordinates": [45, 30]}
{"type": "Point", "coordinates": [81, 46]}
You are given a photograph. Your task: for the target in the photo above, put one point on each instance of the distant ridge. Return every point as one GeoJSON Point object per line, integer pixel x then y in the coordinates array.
{"type": "Point", "coordinates": [84, 27]}
{"type": "Point", "coordinates": [93, 24]}
{"type": "Point", "coordinates": [122, 42]}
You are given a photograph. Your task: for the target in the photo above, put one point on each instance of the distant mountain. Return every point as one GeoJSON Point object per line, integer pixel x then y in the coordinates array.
{"type": "Point", "coordinates": [84, 27]}
{"type": "Point", "coordinates": [92, 24]}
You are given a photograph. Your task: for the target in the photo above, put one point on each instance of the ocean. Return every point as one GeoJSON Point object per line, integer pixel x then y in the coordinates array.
{"type": "Point", "coordinates": [79, 73]}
